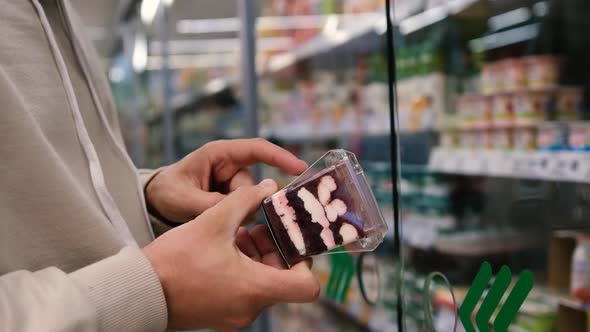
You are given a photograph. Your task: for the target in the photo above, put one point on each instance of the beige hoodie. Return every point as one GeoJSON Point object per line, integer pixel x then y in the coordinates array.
{"type": "Point", "coordinates": [72, 211]}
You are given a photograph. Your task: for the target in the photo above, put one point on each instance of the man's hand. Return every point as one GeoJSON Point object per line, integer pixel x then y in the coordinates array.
{"type": "Point", "coordinates": [217, 275]}
{"type": "Point", "coordinates": [184, 190]}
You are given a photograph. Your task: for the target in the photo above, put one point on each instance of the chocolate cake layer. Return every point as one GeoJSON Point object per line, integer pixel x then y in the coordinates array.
{"type": "Point", "coordinates": [314, 217]}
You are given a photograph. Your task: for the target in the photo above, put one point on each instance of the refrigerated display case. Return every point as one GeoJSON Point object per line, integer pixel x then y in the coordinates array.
{"type": "Point", "coordinates": [487, 160]}
{"type": "Point", "coordinates": [490, 112]}
{"type": "Point", "coordinates": [502, 194]}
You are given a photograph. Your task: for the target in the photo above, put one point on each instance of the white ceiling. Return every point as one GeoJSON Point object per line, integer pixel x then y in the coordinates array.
{"type": "Point", "coordinates": [99, 16]}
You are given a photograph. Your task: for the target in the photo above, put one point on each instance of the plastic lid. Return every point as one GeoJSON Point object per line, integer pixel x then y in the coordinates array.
{"type": "Point", "coordinates": [329, 206]}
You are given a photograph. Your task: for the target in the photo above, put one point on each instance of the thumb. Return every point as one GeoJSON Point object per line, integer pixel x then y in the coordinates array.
{"type": "Point", "coordinates": [295, 285]}
{"type": "Point", "coordinates": [199, 201]}
{"type": "Point", "coordinates": [239, 204]}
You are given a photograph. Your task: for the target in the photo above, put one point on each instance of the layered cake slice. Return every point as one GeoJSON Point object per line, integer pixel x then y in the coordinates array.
{"type": "Point", "coordinates": [315, 216]}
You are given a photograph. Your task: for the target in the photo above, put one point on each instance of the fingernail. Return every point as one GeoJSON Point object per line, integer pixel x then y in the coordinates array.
{"type": "Point", "coordinates": [268, 183]}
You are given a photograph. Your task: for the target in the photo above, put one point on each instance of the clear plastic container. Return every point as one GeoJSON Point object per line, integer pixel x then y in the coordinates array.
{"type": "Point", "coordinates": [329, 206]}
{"type": "Point", "coordinates": [580, 270]}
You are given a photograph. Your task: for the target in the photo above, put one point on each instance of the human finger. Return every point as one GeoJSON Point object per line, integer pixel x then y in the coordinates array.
{"type": "Point", "coordinates": [200, 201]}
{"type": "Point", "coordinates": [267, 248]}
{"type": "Point", "coordinates": [189, 203]}
{"type": "Point", "coordinates": [228, 157]}
{"type": "Point", "coordinates": [273, 259]}
{"type": "Point", "coordinates": [242, 178]}
{"type": "Point", "coordinates": [296, 285]}
{"type": "Point", "coordinates": [245, 243]}
{"type": "Point", "coordinates": [263, 239]}
{"type": "Point", "coordinates": [238, 205]}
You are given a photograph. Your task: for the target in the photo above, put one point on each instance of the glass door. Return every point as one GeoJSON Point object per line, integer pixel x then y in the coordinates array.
{"type": "Point", "coordinates": [323, 85]}
{"type": "Point", "coordinates": [492, 108]}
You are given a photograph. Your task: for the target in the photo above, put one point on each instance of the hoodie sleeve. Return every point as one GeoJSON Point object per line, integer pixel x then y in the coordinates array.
{"type": "Point", "coordinates": [119, 293]}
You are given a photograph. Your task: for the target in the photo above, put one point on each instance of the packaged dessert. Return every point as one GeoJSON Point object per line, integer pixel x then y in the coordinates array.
{"type": "Point", "coordinates": [569, 103]}
{"type": "Point", "coordinates": [502, 110]}
{"type": "Point", "coordinates": [466, 105]}
{"type": "Point", "coordinates": [525, 138]}
{"type": "Point", "coordinates": [579, 136]}
{"type": "Point", "coordinates": [449, 138]}
{"type": "Point", "coordinates": [483, 139]}
{"type": "Point", "coordinates": [490, 78]}
{"type": "Point", "coordinates": [330, 205]}
{"type": "Point", "coordinates": [514, 74]}
{"type": "Point", "coordinates": [502, 138]}
{"type": "Point", "coordinates": [531, 106]}
{"type": "Point", "coordinates": [542, 71]}
{"type": "Point", "coordinates": [482, 112]}
{"type": "Point", "coordinates": [468, 139]}
{"type": "Point", "coordinates": [552, 136]}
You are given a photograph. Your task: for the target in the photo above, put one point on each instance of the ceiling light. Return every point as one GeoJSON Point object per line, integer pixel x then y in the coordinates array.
{"type": "Point", "coordinates": [232, 24]}
{"type": "Point", "coordinates": [229, 24]}
{"type": "Point", "coordinates": [510, 18]}
{"type": "Point", "coordinates": [140, 53]}
{"type": "Point", "coordinates": [219, 45]}
{"type": "Point", "coordinates": [148, 10]}
{"type": "Point", "coordinates": [541, 8]}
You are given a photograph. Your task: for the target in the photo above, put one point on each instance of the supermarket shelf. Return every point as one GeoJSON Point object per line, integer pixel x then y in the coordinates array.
{"type": "Point", "coordinates": [414, 169]}
{"type": "Point", "coordinates": [571, 302]}
{"type": "Point", "coordinates": [564, 298]}
{"type": "Point", "coordinates": [564, 166]}
{"type": "Point", "coordinates": [479, 244]}
{"type": "Point", "coordinates": [341, 312]}
{"type": "Point", "coordinates": [470, 243]}
{"type": "Point", "coordinates": [359, 25]}
{"type": "Point", "coordinates": [304, 133]}
{"type": "Point", "coordinates": [434, 15]}
{"type": "Point", "coordinates": [185, 103]}
{"type": "Point", "coordinates": [566, 233]}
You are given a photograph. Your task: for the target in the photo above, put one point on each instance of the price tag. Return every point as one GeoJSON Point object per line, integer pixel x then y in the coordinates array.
{"type": "Point", "coordinates": [493, 161]}
{"type": "Point", "coordinates": [484, 157]}
{"type": "Point", "coordinates": [436, 159]}
{"type": "Point", "coordinates": [542, 164]}
{"type": "Point", "coordinates": [586, 166]}
{"type": "Point", "coordinates": [461, 162]}
{"type": "Point", "coordinates": [452, 160]}
{"type": "Point", "coordinates": [560, 167]}
{"type": "Point", "coordinates": [521, 164]}
{"type": "Point", "coordinates": [474, 162]}
{"type": "Point", "coordinates": [500, 163]}
{"type": "Point", "coordinates": [574, 166]}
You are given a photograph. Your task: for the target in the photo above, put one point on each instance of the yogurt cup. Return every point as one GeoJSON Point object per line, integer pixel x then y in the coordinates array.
{"type": "Point", "coordinates": [579, 136]}
{"type": "Point", "coordinates": [514, 74]}
{"type": "Point", "coordinates": [531, 107]}
{"type": "Point", "coordinates": [502, 110]}
{"type": "Point", "coordinates": [542, 71]}
{"type": "Point", "coordinates": [552, 136]}
{"type": "Point", "coordinates": [569, 103]}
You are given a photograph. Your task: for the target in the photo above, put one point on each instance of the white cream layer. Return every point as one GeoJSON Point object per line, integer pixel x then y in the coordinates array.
{"type": "Point", "coordinates": [313, 206]}
{"type": "Point", "coordinates": [287, 215]}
